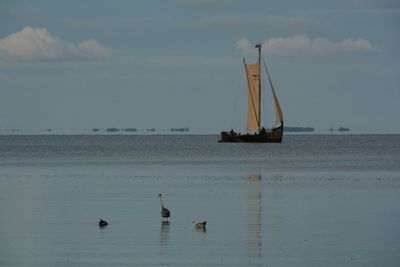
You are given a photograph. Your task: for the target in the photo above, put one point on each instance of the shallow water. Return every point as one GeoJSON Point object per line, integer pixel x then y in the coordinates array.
{"type": "Point", "coordinates": [310, 201]}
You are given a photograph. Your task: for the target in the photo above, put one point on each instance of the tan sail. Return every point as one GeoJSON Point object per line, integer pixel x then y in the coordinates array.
{"type": "Point", "coordinates": [253, 105]}
{"type": "Point", "coordinates": [278, 111]}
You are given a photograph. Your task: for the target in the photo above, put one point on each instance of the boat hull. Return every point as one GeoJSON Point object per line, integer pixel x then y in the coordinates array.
{"type": "Point", "coordinates": [272, 136]}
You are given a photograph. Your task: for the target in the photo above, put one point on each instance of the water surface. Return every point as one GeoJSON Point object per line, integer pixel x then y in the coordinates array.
{"type": "Point", "coordinates": [314, 200]}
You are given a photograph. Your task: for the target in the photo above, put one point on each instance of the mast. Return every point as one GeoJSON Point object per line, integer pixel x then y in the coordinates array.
{"type": "Point", "coordinates": [259, 85]}
{"type": "Point", "coordinates": [254, 94]}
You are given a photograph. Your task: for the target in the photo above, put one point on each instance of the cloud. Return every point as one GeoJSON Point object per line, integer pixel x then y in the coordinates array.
{"type": "Point", "coordinates": [244, 45]}
{"type": "Point", "coordinates": [31, 44]}
{"type": "Point", "coordinates": [303, 45]}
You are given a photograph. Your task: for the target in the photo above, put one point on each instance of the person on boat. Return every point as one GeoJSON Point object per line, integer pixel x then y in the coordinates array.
{"type": "Point", "coordinates": [232, 132]}
{"type": "Point", "coordinates": [262, 130]}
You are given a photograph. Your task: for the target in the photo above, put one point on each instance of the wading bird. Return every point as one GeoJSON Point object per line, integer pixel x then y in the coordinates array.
{"type": "Point", "coordinates": [102, 223]}
{"type": "Point", "coordinates": [165, 213]}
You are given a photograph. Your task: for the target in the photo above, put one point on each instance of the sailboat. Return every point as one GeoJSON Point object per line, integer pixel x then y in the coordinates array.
{"type": "Point", "coordinates": [255, 132]}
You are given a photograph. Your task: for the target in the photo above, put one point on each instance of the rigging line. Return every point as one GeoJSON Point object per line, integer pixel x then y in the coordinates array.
{"type": "Point", "coordinates": [269, 78]}
{"type": "Point", "coordinates": [251, 95]}
{"type": "Point", "coordinates": [266, 106]}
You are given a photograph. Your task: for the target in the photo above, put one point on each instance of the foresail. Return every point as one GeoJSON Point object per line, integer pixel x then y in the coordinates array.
{"type": "Point", "coordinates": [278, 111]}
{"type": "Point", "coordinates": [253, 105]}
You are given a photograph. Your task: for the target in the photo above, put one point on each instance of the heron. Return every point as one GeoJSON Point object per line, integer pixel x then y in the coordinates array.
{"type": "Point", "coordinates": [165, 213]}
{"type": "Point", "coordinates": [102, 223]}
{"type": "Point", "coordinates": [200, 225]}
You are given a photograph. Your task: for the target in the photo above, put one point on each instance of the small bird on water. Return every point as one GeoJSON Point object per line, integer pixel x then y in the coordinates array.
{"type": "Point", "coordinates": [200, 225]}
{"type": "Point", "coordinates": [165, 213]}
{"type": "Point", "coordinates": [102, 223]}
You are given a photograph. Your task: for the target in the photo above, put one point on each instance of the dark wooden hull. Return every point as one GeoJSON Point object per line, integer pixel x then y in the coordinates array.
{"type": "Point", "coordinates": [272, 136]}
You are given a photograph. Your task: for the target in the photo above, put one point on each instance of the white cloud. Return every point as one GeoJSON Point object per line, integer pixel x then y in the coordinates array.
{"type": "Point", "coordinates": [303, 45]}
{"type": "Point", "coordinates": [244, 45]}
{"type": "Point", "coordinates": [38, 44]}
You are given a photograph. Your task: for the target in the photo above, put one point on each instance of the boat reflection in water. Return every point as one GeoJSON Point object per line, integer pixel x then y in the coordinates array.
{"type": "Point", "coordinates": [254, 217]}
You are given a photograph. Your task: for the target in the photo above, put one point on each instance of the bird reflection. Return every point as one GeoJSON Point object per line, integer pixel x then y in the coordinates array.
{"type": "Point", "coordinates": [254, 217]}
{"type": "Point", "coordinates": [164, 233]}
{"type": "Point", "coordinates": [164, 225]}
{"type": "Point", "coordinates": [201, 230]}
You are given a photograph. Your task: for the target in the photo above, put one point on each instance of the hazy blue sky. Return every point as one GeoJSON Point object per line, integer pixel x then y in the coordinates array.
{"type": "Point", "coordinates": [76, 65]}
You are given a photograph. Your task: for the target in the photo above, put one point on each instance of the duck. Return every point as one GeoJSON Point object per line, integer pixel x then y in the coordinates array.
{"type": "Point", "coordinates": [102, 223]}
{"type": "Point", "coordinates": [200, 225]}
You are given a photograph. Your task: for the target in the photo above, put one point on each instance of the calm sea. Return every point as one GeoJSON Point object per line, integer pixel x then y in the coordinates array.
{"type": "Point", "coordinates": [314, 200]}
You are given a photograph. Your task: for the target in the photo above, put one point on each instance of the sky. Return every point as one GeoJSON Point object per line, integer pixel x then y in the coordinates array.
{"type": "Point", "coordinates": [76, 65]}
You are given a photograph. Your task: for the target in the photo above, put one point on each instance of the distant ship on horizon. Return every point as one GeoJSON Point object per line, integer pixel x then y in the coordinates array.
{"type": "Point", "coordinates": [343, 129]}
{"type": "Point", "coordinates": [340, 129]}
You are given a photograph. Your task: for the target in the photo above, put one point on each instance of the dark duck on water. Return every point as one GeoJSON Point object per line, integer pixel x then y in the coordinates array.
{"type": "Point", "coordinates": [102, 223]}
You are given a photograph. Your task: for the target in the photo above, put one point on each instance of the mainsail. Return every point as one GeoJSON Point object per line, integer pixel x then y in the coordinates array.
{"type": "Point", "coordinates": [253, 105]}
